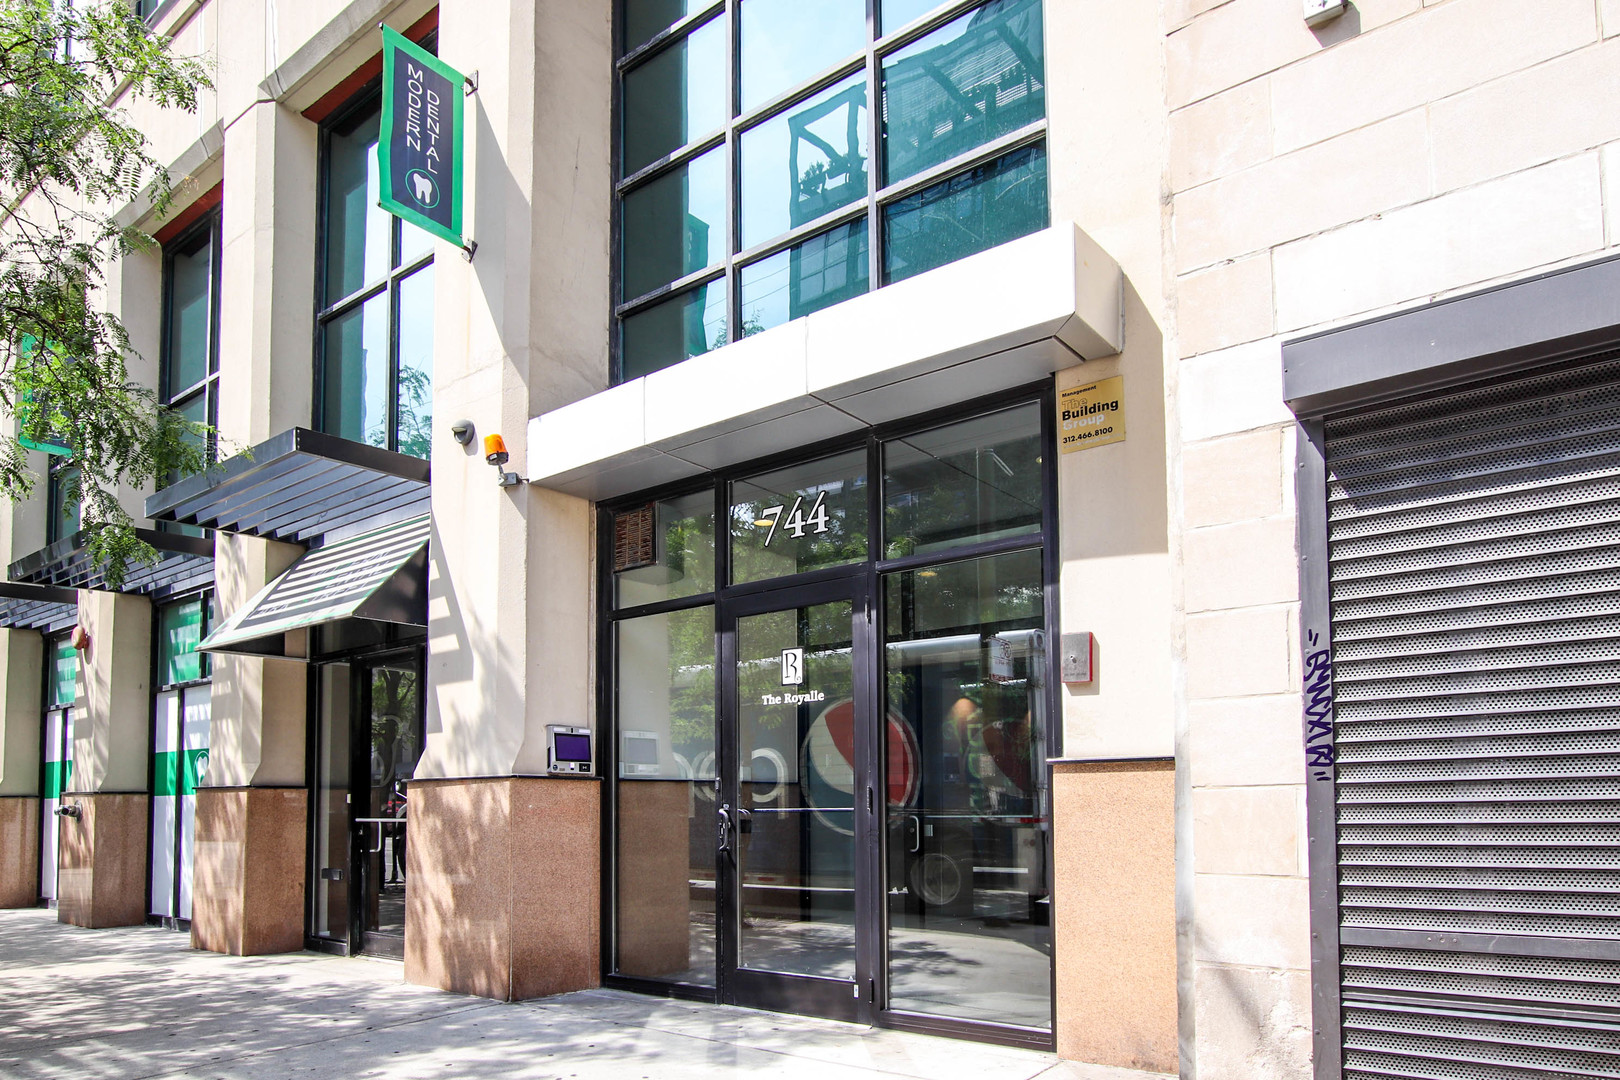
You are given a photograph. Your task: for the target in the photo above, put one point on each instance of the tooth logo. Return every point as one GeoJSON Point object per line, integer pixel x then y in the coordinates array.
{"type": "Point", "coordinates": [423, 189]}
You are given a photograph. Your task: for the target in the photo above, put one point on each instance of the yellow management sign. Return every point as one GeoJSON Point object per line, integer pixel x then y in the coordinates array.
{"type": "Point", "coordinates": [1091, 415]}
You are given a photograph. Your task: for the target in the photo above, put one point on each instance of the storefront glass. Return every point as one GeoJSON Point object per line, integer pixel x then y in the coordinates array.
{"type": "Point", "coordinates": [61, 678]}
{"type": "Point", "coordinates": [181, 710]}
{"type": "Point", "coordinates": [968, 885]}
{"type": "Point", "coordinates": [830, 791]}
{"type": "Point", "coordinates": [801, 518]}
{"type": "Point", "coordinates": [665, 926]}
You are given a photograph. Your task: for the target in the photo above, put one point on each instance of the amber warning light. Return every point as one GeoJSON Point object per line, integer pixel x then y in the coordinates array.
{"type": "Point", "coordinates": [495, 453]}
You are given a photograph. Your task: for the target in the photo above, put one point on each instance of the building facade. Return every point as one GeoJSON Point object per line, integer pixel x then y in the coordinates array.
{"type": "Point", "coordinates": [1076, 524]}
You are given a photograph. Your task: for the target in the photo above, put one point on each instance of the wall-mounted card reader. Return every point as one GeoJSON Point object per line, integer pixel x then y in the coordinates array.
{"type": "Point", "coordinates": [568, 750]}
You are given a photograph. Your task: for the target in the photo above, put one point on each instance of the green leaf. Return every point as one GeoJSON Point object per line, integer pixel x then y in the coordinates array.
{"type": "Point", "coordinates": [66, 156]}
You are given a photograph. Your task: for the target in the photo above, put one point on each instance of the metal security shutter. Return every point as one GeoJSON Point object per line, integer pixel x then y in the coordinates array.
{"type": "Point", "coordinates": [1474, 580]}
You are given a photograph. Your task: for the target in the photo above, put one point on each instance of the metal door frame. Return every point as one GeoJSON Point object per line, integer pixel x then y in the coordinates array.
{"type": "Point", "coordinates": [807, 994]}
{"type": "Point", "coordinates": [362, 941]}
{"type": "Point", "coordinates": [873, 570]}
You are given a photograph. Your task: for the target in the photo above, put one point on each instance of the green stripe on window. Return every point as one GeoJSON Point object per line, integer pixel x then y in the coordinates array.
{"type": "Point", "coordinates": [195, 766]}
{"type": "Point", "coordinates": [64, 673]}
{"type": "Point", "coordinates": [57, 775]}
{"type": "Point", "coordinates": [163, 772]}
{"type": "Point", "coordinates": [180, 628]}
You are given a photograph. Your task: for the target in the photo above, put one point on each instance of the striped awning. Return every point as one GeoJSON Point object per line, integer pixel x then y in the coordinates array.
{"type": "Point", "coordinates": [379, 576]}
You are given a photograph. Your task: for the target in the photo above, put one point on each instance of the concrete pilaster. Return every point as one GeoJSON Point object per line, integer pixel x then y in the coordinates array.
{"type": "Point", "coordinates": [22, 654]}
{"type": "Point", "coordinates": [248, 884]}
{"type": "Point", "coordinates": [521, 329]}
{"type": "Point", "coordinates": [102, 871]}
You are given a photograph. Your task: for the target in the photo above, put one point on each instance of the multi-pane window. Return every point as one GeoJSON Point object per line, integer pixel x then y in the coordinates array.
{"type": "Point", "coordinates": [180, 727]}
{"type": "Point", "coordinates": [375, 320]}
{"type": "Point", "coordinates": [190, 369]}
{"type": "Point", "coordinates": [757, 184]}
{"type": "Point", "coordinates": [62, 499]}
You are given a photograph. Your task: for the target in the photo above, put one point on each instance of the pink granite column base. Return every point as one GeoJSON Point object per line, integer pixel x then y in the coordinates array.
{"type": "Point", "coordinates": [19, 851]}
{"type": "Point", "coordinates": [1115, 913]}
{"type": "Point", "coordinates": [502, 894]}
{"type": "Point", "coordinates": [102, 880]}
{"type": "Point", "coordinates": [248, 880]}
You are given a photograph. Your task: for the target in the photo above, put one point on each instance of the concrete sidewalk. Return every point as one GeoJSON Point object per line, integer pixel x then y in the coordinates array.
{"type": "Point", "coordinates": [139, 1003]}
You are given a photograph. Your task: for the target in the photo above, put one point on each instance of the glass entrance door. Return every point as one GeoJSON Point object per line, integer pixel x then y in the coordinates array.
{"type": "Point", "coordinates": [391, 744]}
{"type": "Point", "coordinates": [369, 741]}
{"type": "Point", "coordinates": [795, 810]}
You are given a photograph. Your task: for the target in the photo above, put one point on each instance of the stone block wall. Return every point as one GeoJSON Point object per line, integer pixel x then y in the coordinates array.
{"type": "Point", "coordinates": [1406, 151]}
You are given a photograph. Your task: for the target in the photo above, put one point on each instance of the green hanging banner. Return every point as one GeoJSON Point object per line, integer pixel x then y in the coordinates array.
{"type": "Point", "coordinates": [419, 147]}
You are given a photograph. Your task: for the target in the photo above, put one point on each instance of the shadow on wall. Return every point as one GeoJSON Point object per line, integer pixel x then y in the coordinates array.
{"type": "Point", "coordinates": [502, 895]}
{"type": "Point", "coordinates": [457, 884]}
{"type": "Point", "coordinates": [1259, 1015]}
{"type": "Point", "coordinates": [1113, 499]}
{"type": "Point", "coordinates": [1343, 28]}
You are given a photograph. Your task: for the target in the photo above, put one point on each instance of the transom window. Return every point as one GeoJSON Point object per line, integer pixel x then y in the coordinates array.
{"type": "Point", "coordinates": [374, 334]}
{"type": "Point", "coordinates": [757, 184]}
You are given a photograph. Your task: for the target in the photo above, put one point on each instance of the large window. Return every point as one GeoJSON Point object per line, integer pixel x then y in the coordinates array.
{"type": "Point", "coordinates": [757, 184]}
{"type": "Point", "coordinates": [940, 535]}
{"type": "Point", "coordinates": [374, 332]}
{"type": "Point", "coordinates": [180, 726]}
{"type": "Point", "coordinates": [62, 499]}
{"type": "Point", "coordinates": [189, 379]}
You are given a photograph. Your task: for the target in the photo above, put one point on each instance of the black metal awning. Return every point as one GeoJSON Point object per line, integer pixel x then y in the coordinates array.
{"type": "Point", "coordinates": [184, 563]}
{"type": "Point", "coordinates": [298, 485]}
{"type": "Point", "coordinates": [37, 607]}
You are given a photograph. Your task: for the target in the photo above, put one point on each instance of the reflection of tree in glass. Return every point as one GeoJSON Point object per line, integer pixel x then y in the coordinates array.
{"type": "Point", "coordinates": [691, 674]}
{"type": "Point", "coordinates": [722, 336]}
{"type": "Point", "coordinates": [935, 498]}
{"type": "Point", "coordinates": [393, 728]}
{"type": "Point", "coordinates": [843, 541]}
{"type": "Point", "coordinates": [415, 420]}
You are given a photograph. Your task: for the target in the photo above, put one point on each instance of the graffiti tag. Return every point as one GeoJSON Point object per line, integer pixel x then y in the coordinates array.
{"type": "Point", "coordinates": [1319, 752]}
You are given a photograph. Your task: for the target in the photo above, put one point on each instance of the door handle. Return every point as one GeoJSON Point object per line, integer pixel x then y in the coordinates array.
{"type": "Point", "coordinates": [724, 815]}
{"type": "Point", "coordinates": [916, 834]}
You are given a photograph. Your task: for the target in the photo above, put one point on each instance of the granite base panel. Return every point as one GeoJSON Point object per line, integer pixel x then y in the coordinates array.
{"type": "Point", "coordinates": [248, 874]}
{"type": "Point", "coordinates": [19, 851]}
{"type": "Point", "coordinates": [102, 878]}
{"type": "Point", "coordinates": [502, 895]}
{"type": "Point", "coordinates": [1115, 935]}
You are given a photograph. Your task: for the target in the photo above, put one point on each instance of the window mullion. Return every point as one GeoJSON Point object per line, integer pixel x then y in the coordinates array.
{"type": "Point", "coordinates": [734, 326]}
{"type": "Point", "coordinates": [874, 151]}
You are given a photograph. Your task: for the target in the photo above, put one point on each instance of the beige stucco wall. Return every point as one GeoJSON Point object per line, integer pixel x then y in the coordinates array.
{"type": "Point", "coordinates": [520, 329]}
{"type": "Point", "coordinates": [1404, 152]}
{"type": "Point", "coordinates": [22, 659]}
{"type": "Point", "coordinates": [112, 714]}
{"type": "Point", "coordinates": [1107, 91]}
{"type": "Point", "coordinates": [258, 707]}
